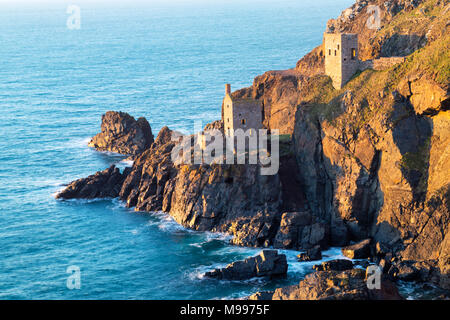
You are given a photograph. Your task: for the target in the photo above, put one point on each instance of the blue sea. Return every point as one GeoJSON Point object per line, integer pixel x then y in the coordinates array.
{"type": "Point", "coordinates": [166, 61]}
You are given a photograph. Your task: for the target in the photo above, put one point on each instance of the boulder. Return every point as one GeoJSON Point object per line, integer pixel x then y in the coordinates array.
{"type": "Point", "coordinates": [406, 272]}
{"type": "Point", "coordinates": [103, 184]}
{"type": "Point", "coordinates": [360, 250]}
{"type": "Point", "coordinates": [299, 231]}
{"type": "Point", "coordinates": [334, 285]}
{"type": "Point", "coordinates": [121, 133]}
{"type": "Point", "coordinates": [267, 263]}
{"type": "Point", "coordinates": [334, 265]}
{"type": "Point", "coordinates": [311, 255]}
{"type": "Point", "coordinates": [291, 226]}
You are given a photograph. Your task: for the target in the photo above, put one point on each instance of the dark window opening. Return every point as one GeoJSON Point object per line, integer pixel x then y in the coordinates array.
{"type": "Point", "coordinates": [329, 52]}
{"type": "Point", "coordinates": [335, 53]}
{"type": "Point", "coordinates": [338, 47]}
{"type": "Point", "coordinates": [243, 121]}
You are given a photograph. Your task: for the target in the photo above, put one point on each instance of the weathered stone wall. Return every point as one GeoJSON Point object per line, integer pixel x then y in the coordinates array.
{"type": "Point", "coordinates": [350, 64]}
{"type": "Point", "coordinates": [241, 113]}
{"type": "Point", "coordinates": [340, 64]}
{"type": "Point", "coordinates": [385, 63]}
{"type": "Point", "coordinates": [227, 112]}
{"type": "Point", "coordinates": [333, 61]}
{"type": "Point", "coordinates": [247, 114]}
{"type": "Point", "coordinates": [380, 63]}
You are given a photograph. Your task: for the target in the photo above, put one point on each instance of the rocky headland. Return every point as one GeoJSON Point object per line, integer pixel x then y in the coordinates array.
{"type": "Point", "coordinates": [121, 133]}
{"type": "Point", "coordinates": [365, 168]}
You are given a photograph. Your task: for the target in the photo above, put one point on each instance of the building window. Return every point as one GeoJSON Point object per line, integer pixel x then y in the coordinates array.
{"type": "Point", "coordinates": [228, 120]}
{"type": "Point", "coordinates": [329, 52]}
{"type": "Point", "coordinates": [243, 121]}
{"type": "Point", "coordinates": [353, 53]}
{"type": "Point", "coordinates": [338, 47]}
{"type": "Point", "coordinates": [335, 53]}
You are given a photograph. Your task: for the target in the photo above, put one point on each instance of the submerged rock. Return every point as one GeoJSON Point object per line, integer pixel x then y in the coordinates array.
{"type": "Point", "coordinates": [268, 263]}
{"type": "Point", "coordinates": [121, 133]}
{"type": "Point", "coordinates": [103, 184]}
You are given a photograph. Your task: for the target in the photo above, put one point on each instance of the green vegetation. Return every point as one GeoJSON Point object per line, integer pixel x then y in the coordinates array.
{"type": "Point", "coordinates": [417, 161]}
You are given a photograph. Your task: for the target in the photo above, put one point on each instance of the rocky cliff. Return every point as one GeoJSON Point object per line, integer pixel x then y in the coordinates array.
{"type": "Point", "coordinates": [367, 161]}
{"type": "Point", "coordinates": [121, 133]}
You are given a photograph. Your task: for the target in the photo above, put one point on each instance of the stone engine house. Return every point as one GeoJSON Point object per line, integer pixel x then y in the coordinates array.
{"type": "Point", "coordinates": [342, 61]}
{"type": "Point", "coordinates": [240, 113]}
{"type": "Point", "coordinates": [341, 57]}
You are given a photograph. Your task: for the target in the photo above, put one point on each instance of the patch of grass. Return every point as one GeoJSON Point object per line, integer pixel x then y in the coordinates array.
{"type": "Point", "coordinates": [417, 161]}
{"type": "Point", "coordinates": [432, 61]}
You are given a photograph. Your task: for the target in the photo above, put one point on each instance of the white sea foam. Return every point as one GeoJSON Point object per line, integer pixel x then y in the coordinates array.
{"type": "Point", "coordinates": [168, 224]}
{"type": "Point", "coordinates": [79, 142]}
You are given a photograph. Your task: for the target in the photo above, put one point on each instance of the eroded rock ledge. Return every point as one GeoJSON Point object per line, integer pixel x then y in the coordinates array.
{"type": "Point", "coordinates": [121, 133]}
{"type": "Point", "coordinates": [335, 285]}
{"type": "Point", "coordinates": [267, 264]}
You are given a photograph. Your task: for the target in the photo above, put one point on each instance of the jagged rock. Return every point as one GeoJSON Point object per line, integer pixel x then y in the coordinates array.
{"type": "Point", "coordinates": [360, 250]}
{"type": "Point", "coordinates": [103, 184]}
{"type": "Point", "coordinates": [267, 263]}
{"type": "Point", "coordinates": [334, 265]}
{"type": "Point", "coordinates": [290, 229]}
{"type": "Point", "coordinates": [444, 263]}
{"type": "Point", "coordinates": [333, 285]}
{"type": "Point", "coordinates": [384, 265]}
{"type": "Point", "coordinates": [265, 295]}
{"type": "Point", "coordinates": [298, 231]}
{"type": "Point", "coordinates": [406, 272]}
{"type": "Point", "coordinates": [312, 254]}
{"type": "Point", "coordinates": [215, 125]}
{"type": "Point", "coordinates": [121, 133]}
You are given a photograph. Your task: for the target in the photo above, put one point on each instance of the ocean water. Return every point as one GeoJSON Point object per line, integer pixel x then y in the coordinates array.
{"type": "Point", "coordinates": [165, 61]}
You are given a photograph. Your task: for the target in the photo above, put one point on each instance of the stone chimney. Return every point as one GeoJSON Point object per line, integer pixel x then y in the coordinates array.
{"type": "Point", "coordinates": [227, 89]}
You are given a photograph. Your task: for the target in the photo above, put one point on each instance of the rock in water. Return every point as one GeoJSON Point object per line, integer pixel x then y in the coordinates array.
{"type": "Point", "coordinates": [121, 133]}
{"type": "Point", "coordinates": [333, 285]}
{"type": "Point", "coordinates": [103, 184]}
{"type": "Point", "coordinates": [334, 265]}
{"type": "Point", "coordinates": [268, 263]}
{"type": "Point", "coordinates": [311, 254]}
{"type": "Point", "coordinates": [360, 250]}
{"type": "Point", "coordinates": [264, 295]}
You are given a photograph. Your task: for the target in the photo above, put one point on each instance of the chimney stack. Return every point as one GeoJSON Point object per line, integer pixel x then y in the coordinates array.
{"type": "Point", "coordinates": [227, 89]}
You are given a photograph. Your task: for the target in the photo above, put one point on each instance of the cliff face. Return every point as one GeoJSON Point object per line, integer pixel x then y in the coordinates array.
{"type": "Point", "coordinates": [371, 156]}
{"type": "Point", "coordinates": [367, 161]}
{"type": "Point", "coordinates": [404, 27]}
{"type": "Point", "coordinates": [121, 133]}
